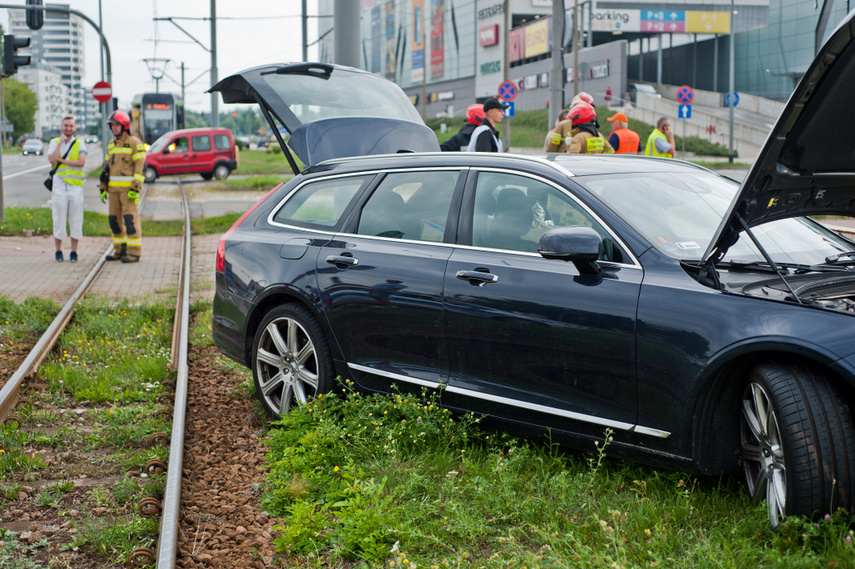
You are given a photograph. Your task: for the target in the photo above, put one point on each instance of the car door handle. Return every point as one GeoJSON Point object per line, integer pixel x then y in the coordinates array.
{"type": "Point", "coordinates": [342, 260]}
{"type": "Point", "coordinates": [477, 278]}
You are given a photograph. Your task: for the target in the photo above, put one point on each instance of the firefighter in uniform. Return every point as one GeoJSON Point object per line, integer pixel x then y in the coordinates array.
{"type": "Point", "coordinates": [121, 182]}
{"type": "Point", "coordinates": [560, 136]}
{"type": "Point", "coordinates": [585, 138]}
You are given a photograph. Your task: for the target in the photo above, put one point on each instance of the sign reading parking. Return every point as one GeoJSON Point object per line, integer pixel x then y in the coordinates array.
{"type": "Point", "coordinates": [727, 99]}
{"type": "Point", "coordinates": [685, 94]}
{"type": "Point", "coordinates": [507, 91]}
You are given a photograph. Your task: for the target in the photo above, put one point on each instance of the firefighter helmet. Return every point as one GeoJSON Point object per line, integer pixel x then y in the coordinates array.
{"type": "Point", "coordinates": [582, 113]}
{"type": "Point", "coordinates": [582, 97]}
{"type": "Point", "coordinates": [475, 114]}
{"type": "Point", "coordinates": [120, 117]}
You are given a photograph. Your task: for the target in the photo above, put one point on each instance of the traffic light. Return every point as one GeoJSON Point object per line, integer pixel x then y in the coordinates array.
{"type": "Point", "coordinates": [12, 61]}
{"type": "Point", "coordinates": [35, 18]}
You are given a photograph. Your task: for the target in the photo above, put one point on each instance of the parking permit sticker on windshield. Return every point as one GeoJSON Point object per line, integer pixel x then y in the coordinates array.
{"type": "Point", "coordinates": [688, 245]}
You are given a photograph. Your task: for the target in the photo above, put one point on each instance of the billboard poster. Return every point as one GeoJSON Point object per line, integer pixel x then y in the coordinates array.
{"type": "Point", "coordinates": [418, 45]}
{"type": "Point", "coordinates": [376, 46]}
{"type": "Point", "coordinates": [437, 39]}
{"type": "Point", "coordinates": [389, 35]}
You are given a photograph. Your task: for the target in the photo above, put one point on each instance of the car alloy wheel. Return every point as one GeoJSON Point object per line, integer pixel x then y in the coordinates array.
{"type": "Point", "coordinates": [797, 440]}
{"type": "Point", "coordinates": [150, 174]}
{"type": "Point", "coordinates": [291, 360]}
{"type": "Point", "coordinates": [221, 171]}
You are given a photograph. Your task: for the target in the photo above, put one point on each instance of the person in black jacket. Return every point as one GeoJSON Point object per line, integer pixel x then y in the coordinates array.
{"type": "Point", "coordinates": [474, 116]}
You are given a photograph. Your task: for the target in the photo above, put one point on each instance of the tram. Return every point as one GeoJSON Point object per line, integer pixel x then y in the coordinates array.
{"type": "Point", "coordinates": [153, 114]}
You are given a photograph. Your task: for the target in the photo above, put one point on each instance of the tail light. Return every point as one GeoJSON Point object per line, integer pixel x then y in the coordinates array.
{"type": "Point", "coordinates": [220, 265]}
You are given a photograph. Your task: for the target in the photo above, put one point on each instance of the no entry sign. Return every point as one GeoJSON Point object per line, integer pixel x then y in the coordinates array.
{"type": "Point", "coordinates": [102, 91]}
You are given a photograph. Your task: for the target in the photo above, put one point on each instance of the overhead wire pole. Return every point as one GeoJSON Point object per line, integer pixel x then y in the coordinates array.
{"type": "Point", "coordinates": [506, 125]}
{"type": "Point", "coordinates": [556, 79]}
{"type": "Point", "coordinates": [215, 108]}
{"type": "Point", "coordinates": [64, 10]}
{"type": "Point", "coordinates": [732, 95]}
{"type": "Point", "coordinates": [305, 30]}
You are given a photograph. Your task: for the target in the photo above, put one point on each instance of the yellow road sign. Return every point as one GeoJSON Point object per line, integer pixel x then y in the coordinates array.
{"type": "Point", "coordinates": [707, 22]}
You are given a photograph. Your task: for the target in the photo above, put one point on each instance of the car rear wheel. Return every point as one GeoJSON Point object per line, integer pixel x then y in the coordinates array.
{"type": "Point", "coordinates": [221, 171]}
{"type": "Point", "coordinates": [150, 174]}
{"type": "Point", "coordinates": [290, 359]}
{"type": "Point", "coordinates": [797, 441]}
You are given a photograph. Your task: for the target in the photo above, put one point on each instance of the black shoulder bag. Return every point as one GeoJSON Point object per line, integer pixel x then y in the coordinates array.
{"type": "Point", "coordinates": [49, 180]}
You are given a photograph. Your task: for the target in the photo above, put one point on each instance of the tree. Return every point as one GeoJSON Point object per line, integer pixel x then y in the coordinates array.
{"type": "Point", "coordinates": [20, 105]}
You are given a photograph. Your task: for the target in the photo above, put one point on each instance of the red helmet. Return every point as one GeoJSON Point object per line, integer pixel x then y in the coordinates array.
{"type": "Point", "coordinates": [582, 97]}
{"type": "Point", "coordinates": [582, 113]}
{"type": "Point", "coordinates": [475, 114]}
{"type": "Point", "coordinates": [120, 117]}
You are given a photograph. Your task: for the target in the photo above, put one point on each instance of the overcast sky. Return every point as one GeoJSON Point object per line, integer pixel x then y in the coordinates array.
{"type": "Point", "coordinates": [249, 33]}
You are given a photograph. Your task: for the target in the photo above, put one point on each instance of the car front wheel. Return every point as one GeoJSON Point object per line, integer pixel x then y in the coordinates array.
{"type": "Point", "coordinates": [797, 441]}
{"type": "Point", "coordinates": [221, 171]}
{"type": "Point", "coordinates": [290, 359]}
{"type": "Point", "coordinates": [150, 174]}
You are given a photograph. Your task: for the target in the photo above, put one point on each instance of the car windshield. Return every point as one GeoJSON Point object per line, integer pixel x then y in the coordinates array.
{"type": "Point", "coordinates": [33, 144]}
{"type": "Point", "coordinates": [160, 143]}
{"type": "Point", "coordinates": [678, 213]}
{"type": "Point", "coordinates": [341, 93]}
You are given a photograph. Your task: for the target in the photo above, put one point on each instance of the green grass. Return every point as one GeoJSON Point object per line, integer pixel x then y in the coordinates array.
{"type": "Point", "coordinates": [368, 481]}
{"type": "Point", "coordinates": [38, 221]}
{"type": "Point", "coordinates": [113, 359]}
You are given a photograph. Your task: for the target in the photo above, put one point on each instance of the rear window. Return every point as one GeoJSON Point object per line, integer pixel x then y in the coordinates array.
{"type": "Point", "coordinates": [320, 204]}
{"type": "Point", "coordinates": [222, 142]}
{"type": "Point", "coordinates": [201, 143]}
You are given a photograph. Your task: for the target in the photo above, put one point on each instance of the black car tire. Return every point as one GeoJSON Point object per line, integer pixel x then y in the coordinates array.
{"type": "Point", "coordinates": [221, 171]}
{"type": "Point", "coordinates": [797, 441]}
{"type": "Point", "coordinates": [290, 359]}
{"type": "Point", "coordinates": [207, 175]}
{"type": "Point", "coordinates": [150, 174]}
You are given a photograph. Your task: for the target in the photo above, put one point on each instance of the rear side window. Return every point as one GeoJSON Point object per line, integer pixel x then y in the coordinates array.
{"type": "Point", "coordinates": [222, 142]}
{"type": "Point", "coordinates": [410, 205]}
{"type": "Point", "coordinates": [201, 143]}
{"type": "Point", "coordinates": [320, 204]}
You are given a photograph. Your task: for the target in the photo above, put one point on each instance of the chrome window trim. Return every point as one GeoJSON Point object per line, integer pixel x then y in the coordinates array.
{"type": "Point", "coordinates": [297, 188]}
{"type": "Point", "coordinates": [461, 169]}
{"type": "Point", "coordinates": [619, 425]}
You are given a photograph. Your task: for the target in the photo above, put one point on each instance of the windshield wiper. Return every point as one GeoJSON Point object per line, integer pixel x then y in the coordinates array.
{"type": "Point", "coordinates": [797, 268]}
{"type": "Point", "coordinates": [836, 259]}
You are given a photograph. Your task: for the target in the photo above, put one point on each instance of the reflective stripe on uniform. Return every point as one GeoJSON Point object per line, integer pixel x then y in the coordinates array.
{"type": "Point", "coordinates": [120, 240]}
{"type": "Point", "coordinates": [134, 242]}
{"type": "Point", "coordinates": [138, 155]}
{"type": "Point", "coordinates": [139, 177]}
{"type": "Point", "coordinates": [595, 144]}
{"type": "Point", "coordinates": [120, 151]}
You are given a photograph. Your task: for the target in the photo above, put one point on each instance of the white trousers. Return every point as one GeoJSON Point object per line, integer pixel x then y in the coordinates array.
{"type": "Point", "coordinates": [67, 206]}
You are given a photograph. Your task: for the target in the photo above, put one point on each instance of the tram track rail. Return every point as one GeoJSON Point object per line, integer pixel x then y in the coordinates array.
{"type": "Point", "coordinates": [10, 393]}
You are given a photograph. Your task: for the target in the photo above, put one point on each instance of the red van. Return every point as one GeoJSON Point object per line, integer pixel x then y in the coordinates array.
{"type": "Point", "coordinates": [210, 152]}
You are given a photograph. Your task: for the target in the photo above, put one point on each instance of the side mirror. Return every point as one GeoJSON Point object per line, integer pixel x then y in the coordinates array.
{"type": "Point", "coordinates": [579, 244]}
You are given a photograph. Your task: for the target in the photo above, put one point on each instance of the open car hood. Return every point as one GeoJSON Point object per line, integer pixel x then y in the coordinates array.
{"type": "Point", "coordinates": [331, 111]}
{"type": "Point", "coordinates": [807, 165]}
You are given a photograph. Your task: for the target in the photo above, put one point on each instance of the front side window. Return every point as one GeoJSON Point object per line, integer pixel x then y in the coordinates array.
{"type": "Point", "coordinates": [410, 205]}
{"type": "Point", "coordinates": [320, 204]}
{"type": "Point", "coordinates": [179, 145]}
{"type": "Point", "coordinates": [512, 212]}
{"type": "Point", "coordinates": [201, 143]}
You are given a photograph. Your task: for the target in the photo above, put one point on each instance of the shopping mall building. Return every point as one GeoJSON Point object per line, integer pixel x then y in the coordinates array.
{"type": "Point", "coordinates": [446, 54]}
